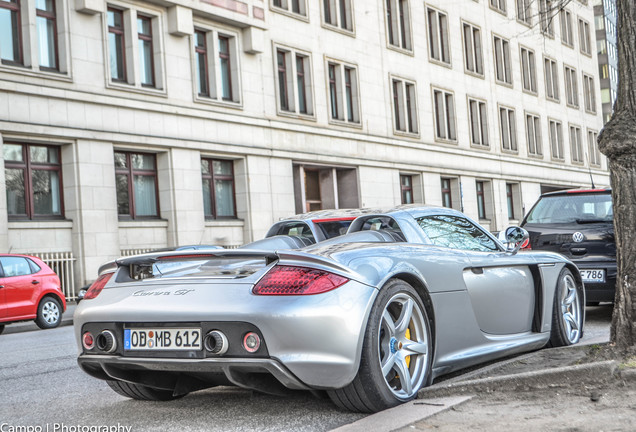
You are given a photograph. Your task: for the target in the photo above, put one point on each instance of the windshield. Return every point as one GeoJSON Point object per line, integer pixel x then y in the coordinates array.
{"type": "Point", "coordinates": [579, 208]}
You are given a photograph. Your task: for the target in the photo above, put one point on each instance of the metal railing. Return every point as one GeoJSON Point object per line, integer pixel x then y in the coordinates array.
{"type": "Point", "coordinates": [62, 263]}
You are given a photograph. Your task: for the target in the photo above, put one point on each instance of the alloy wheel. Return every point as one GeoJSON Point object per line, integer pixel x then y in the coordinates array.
{"type": "Point", "coordinates": [404, 345]}
{"type": "Point", "coordinates": [571, 309]}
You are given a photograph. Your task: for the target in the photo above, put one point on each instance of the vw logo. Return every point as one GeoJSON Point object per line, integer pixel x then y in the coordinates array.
{"type": "Point", "coordinates": [578, 237]}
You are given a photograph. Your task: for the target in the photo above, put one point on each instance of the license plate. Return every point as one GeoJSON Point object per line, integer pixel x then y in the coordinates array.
{"type": "Point", "coordinates": [172, 339]}
{"type": "Point", "coordinates": [593, 275]}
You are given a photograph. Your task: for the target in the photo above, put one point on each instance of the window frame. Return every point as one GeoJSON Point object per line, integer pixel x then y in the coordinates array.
{"type": "Point", "coordinates": [50, 16]}
{"type": "Point", "coordinates": [506, 65]}
{"type": "Point", "coordinates": [438, 38]}
{"type": "Point", "coordinates": [480, 191]}
{"type": "Point", "coordinates": [567, 28]}
{"type": "Point", "coordinates": [345, 85]}
{"type": "Point", "coordinates": [554, 89]}
{"type": "Point", "coordinates": [132, 81]}
{"type": "Point", "coordinates": [571, 86]}
{"type": "Point", "coordinates": [212, 177]}
{"type": "Point", "coordinates": [531, 70]}
{"type": "Point", "coordinates": [292, 101]}
{"type": "Point", "coordinates": [338, 8]}
{"type": "Point", "coordinates": [130, 173]}
{"type": "Point", "coordinates": [450, 129]}
{"type": "Point", "coordinates": [447, 192]}
{"type": "Point", "coordinates": [286, 7]}
{"type": "Point", "coordinates": [558, 139]}
{"type": "Point", "coordinates": [593, 151]}
{"type": "Point", "coordinates": [576, 148]}
{"type": "Point", "coordinates": [482, 122]}
{"type": "Point", "coordinates": [546, 24]}
{"type": "Point", "coordinates": [585, 37]}
{"type": "Point", "coordinates": [534, 135]}
{"type": "Point", "coordinates": [403, 21]}
{"type": "Point", "coordinates": [524, 8]}
{"type": "Point", "coordinates": [589, 94]}
{"type": "Point", "coordinates": [473, 50]}
{"type": "Point", "coordinates": [404, 106]}
{"type": "Point", "coordinates": [17, 32]}
{"type": "Point", "coordinates": [406, 188]}
{"type": "Point", "coordinates": [511, 129]}
{"type": "Point", "coordinates": [147, 37]}
{"type": "Point", "coordinates": [27, 166]}
{"type": "Point", "coordinates": [496, 6]}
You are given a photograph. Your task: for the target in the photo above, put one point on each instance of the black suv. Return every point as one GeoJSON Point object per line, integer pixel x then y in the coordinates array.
{"type": "Point", "coordinates": [578, 224]}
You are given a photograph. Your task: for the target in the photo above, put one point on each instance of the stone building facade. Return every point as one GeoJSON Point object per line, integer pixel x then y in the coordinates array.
{"type": "Point", "coordinates": [132, 125]}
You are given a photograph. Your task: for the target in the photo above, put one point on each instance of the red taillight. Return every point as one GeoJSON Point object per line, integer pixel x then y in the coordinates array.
{"type": "Point", "coordinates": [290, 280]}
{"type": "Point", "coordinates": [526, 245]}
{"type": "Point", "coordinates": [98, 286]}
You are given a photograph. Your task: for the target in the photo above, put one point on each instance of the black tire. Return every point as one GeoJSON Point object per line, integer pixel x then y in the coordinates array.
{"type": "Point", "coordinates": [567, 311]}
{"type": "Point", "coordinates": [49, 313]}
{"type": "Point", "coordinates": [142, 392]}
{"type": "Point", "coordinates": [1, 328]}
{"type": "Point", "coordinates": [371, 389]}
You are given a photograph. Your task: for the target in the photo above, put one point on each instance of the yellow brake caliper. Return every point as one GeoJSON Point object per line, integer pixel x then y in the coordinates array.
{"type": "Point", "coordinates": [408, 358]}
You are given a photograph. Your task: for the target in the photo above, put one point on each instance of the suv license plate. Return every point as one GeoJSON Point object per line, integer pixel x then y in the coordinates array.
{"type": "Point", "coordinates": [593, 275]}
{"type": "Point", "coordinates": [164, 339]}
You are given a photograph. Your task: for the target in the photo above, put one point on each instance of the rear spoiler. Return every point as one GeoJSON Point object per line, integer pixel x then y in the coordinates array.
{"type": "Point", "coordinates": [151, 258]}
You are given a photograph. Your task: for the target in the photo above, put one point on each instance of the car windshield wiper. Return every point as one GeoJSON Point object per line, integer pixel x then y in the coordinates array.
{"type": "Point", "coordinates": [588, 221]}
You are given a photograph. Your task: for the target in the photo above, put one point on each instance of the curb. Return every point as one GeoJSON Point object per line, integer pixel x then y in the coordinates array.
{"type": "Point", "coordinates": [599, 372]}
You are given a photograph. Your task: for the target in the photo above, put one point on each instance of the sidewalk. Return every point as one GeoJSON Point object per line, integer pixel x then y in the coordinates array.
{"type": "Point", "coordinates": [25, 326]}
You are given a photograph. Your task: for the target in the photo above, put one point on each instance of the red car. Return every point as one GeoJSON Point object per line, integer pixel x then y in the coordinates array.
{"type": "Point", "coordinates": [29, 290]}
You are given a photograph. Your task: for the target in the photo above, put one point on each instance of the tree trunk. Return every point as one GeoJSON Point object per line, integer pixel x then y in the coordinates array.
{"type": "Point", "coordinates": [618, 142]}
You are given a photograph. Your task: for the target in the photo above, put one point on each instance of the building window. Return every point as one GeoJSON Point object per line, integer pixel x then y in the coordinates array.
{"type": "Point", "coordinates": [295, 7]}
{"type": "Point", "coordinates": [447, 195]}
{"type": "Point", "coordinates": [595, 154]}
{"type": "Point", "coordinates": [134, 48]}
{"type": "Point", "coordinates": [533, 135]}
{"type": "Point", "coordinates": [584, 37]}
{"type": "Point", "coordinates": [398, 21]}
{"type": "Point", "coordinates": [571, 87]}
{"type": "Point", "coordinates": [510, 200]}
{"type": "Point", "coordinates": [508, 129]}
{"type": "Point", "coordinates": [438, 40]}
{"type": "Point", "coordinates": [406, 182]}
{"type": "Point", "coordinates": [10, 32]}
{"type": "Point", "coordinates": [589, 94]}
{"type": "Point", "coordinates": [473, 55]}
{"type": "Point", "coordinates": [320, 187]}
{"type": "Point", "coordinates": [46, 22]}
{"type": "Point", "coordinates": [33, 178]}
{"type": "Point", "coordinates": [524, 13]}
{"type": "Point", "coordinates": [528, 70]}
{"type": "Point", "coordinates": [503, 70]}
{"type": "Point", "coordinates": [481, 201]}
{"type": "Point", "coordinates": [567, 33]}
{"type": "Point", "coordinates": [294, 82]}
{"type": "Point", "coordinates": [201, 60]}
{"type": "Point", "coordinates": [116, 44]}
{"type": "Point", "coordinates": [478, 119]}
{"type": "Point", "coordinates": [551, 79]}
{"type": "Point", "coordinates": [404, 106]}
{"type": "Point", "coordinates": [146, 56]}
{"type": "Point", "coordinates": [498, 5]}
{"type": "Point", "coordinates": [217, 178]}
{"type": "Point", "coordinates": [546, 15]}
{"type": "Point", "coordinates": [576, 144]}
{"type": "Point", "coordinates": [136, 181]}
{"type": "Point", "coordinates": [556, 139]}
{"type": "Point", "coordinates": [338, 13]}
{"type": "Point", "coordinates": [343, 92]}
{"type": "Point", "coordinates": [444, 113]}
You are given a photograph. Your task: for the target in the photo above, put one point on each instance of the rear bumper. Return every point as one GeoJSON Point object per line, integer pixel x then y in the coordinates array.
{"type": "Point", "coordinates": [604, 291]}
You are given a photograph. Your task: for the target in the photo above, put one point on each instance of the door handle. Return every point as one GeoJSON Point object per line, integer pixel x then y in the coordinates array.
{"type": "Point", "coordinates": [1, 286]}
{"type": "Point", "coordinates": [35, 282]}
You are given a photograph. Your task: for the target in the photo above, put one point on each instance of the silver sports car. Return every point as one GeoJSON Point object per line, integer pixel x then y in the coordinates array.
{"type": "Point", "coordinates": [369, 317]}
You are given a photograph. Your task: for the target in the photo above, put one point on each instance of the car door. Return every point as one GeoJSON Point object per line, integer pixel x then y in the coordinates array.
{"type": "Point", "coordinates": [3, 301]}
{"type": "Point", "coordinates": [20, 287]}
{"type": "Point", "coordinates": [500, 285]}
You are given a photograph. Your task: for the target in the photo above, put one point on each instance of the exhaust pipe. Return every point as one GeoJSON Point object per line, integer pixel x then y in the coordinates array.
{"type": "Point", "coordinates": [216, 342]}
{"type": "Point", "coordinates": [105, 341]}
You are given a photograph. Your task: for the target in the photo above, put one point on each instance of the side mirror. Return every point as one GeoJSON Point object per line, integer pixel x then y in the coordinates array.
{"type": "Point", "coordinates": [513, 237]}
